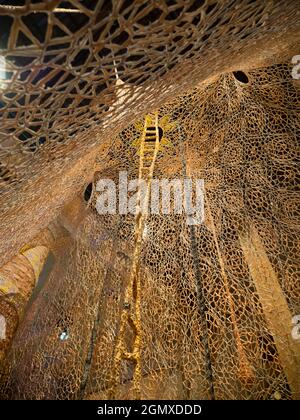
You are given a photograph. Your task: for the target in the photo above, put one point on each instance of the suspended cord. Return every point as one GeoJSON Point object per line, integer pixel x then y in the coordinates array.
{"type": "Point", "coordinates": [199, 286]}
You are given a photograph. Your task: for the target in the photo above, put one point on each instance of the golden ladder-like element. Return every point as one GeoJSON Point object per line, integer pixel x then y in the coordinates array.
{"type": "Point", "coordinates": [131, 312]}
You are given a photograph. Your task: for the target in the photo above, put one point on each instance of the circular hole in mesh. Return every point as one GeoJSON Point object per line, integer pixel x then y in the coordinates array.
{"type": "Point", "coordinates": [241, 76]}
{"type": "Point", "coordinates": [88, 192]}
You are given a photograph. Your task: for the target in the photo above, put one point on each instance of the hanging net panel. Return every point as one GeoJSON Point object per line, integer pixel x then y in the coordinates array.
{"type": "Point", "coordinates": [148, 306]}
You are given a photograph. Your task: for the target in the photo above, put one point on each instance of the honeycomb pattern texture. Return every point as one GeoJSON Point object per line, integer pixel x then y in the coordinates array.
{"type": "Point", "coordinates": [244, 146]}
{"type": "Point", "coordinates": [217, 300]}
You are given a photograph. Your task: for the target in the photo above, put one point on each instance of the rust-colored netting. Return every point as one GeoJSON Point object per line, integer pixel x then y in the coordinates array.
{"type": "Point", "coordinates": [216, 300]}
{"type": "Point", "coordinates": [207, 330]}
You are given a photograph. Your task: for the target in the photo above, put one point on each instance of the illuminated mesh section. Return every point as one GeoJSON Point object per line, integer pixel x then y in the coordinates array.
{"type": "Point", "coordinates": [217, 300]}
{"type": "Point", "coordinates": [58, 94]}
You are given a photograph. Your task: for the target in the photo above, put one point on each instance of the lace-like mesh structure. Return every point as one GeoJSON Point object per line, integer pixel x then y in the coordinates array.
{"type": "Point", "coordinates": [217, 300]}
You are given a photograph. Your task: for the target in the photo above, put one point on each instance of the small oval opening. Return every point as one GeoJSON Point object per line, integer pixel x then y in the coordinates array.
{"type": "Point", "coordinates": [241, 76]}
{"type": "Point", "coordinates": [88, 192]}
